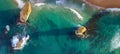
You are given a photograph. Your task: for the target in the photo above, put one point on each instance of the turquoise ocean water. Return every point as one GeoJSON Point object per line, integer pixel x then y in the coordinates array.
{"type": "Point", "coordinates": [51, 28]}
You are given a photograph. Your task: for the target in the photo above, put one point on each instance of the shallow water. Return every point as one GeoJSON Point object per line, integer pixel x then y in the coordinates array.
{"type": "Point", "coordinates": [51, 30]}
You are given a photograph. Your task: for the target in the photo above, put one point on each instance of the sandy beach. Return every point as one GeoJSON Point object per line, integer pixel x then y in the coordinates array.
{"type": "Point", "coordinates": [105, 3]}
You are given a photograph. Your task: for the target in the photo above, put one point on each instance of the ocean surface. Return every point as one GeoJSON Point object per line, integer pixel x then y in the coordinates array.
{"type": "Point", "coordinates": [52, 25]}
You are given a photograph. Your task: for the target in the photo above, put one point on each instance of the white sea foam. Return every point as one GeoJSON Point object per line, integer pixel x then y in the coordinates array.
{"type": "Point", "coordinates": [20, 3]}
{"type": "Point", "coordinates": [59, 2]}
{"type": "Point", "coordinates": [115, 42]}
{"type": "Point", "coordinates": [7, 27]}
{"type": "Point", "coordinates": [39, 4]}
{"type": "Point", "coordinates": [77, 14]}
{"type": "Point", "coordinates": [83, 6]}
{"type": "Point", "coordinates": [113, 9]}
{"type": "Point", "coordinates": [14, 41]}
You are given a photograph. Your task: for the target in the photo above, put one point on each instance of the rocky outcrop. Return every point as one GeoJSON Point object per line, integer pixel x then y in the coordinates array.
{"type": "Point", "coordinates": [105, 3]}
{"type": "Point", "coordinates": [25, 12]}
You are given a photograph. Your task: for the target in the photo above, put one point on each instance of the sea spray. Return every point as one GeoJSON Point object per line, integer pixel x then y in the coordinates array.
{"type": "Point", "coordinates": [20, 3]}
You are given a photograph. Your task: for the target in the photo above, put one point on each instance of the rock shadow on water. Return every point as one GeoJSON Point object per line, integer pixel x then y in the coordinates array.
{"type": "Point", "coordinates": [56, 32]}
{"type": "Point", "coordinates": [99, 36]}
{"type": "Point", "coordinates": [91, 25]}
{"type": "Point", "coordinates": [7, 17]}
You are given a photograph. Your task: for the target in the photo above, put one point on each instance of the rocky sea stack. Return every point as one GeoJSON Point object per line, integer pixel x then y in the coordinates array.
{"type": "Point", "coordinates": [25, 12]}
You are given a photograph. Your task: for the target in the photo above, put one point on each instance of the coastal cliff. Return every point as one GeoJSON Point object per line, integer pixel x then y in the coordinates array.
{"type": "Point", "coordinates": [25, 12]}
{"type": "Point", "coordinates": [105, 3]}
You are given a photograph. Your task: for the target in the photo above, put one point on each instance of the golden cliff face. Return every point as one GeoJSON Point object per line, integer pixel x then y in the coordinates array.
{"type": "Point", "coordinates": [25, 12]}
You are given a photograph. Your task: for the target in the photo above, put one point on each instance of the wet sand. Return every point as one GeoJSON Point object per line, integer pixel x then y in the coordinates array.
{"type": "Point", "coordinates": [105, 3]}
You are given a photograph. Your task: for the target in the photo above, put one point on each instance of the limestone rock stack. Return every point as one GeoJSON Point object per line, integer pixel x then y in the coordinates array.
{"type": "Point", "coordinates": [25, 12]}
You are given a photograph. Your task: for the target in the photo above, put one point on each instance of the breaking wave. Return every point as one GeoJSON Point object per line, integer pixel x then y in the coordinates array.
{"type": "Point", "coordinates": [75, 12]}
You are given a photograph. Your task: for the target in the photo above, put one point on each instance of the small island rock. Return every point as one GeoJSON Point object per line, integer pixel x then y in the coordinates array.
{"type": "Point", "coordinates": [81, 32]}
